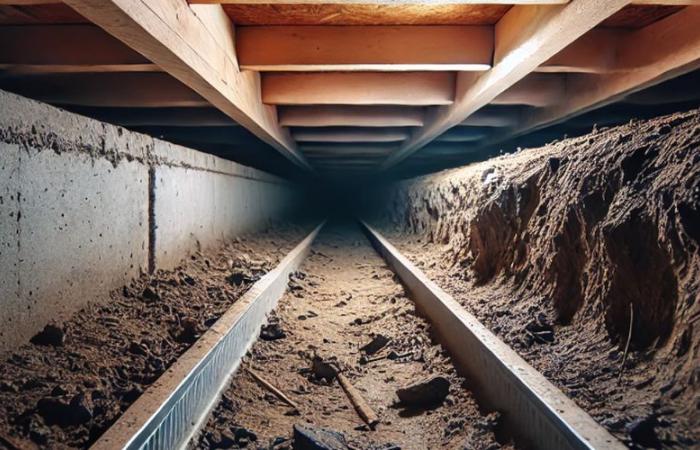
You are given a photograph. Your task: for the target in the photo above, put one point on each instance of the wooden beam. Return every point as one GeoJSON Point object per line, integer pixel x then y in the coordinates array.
{"type": "Point", "coordinates": [660, 51]}
{"type": "Point", "coordinates": [462, 134]}
{"type": "Point", "coordinates": [347, 149]}
{"type": "Point", "coordinates": [360, 116]}
{"type": "Point", "coordinates": [229, 135]}
{"type": "Point", "coordinates": [126, 90]}
{"type": "Point", "coordinates": [358, 88]}
{"type": "Point", "coordinates": [33, 69]}
{"type": "Point", "coordinates": [534, 90]}
{"type": "Point", "coordinates": [350, 134]}
{"type": "Point", "coordinates": [363, 48]}
{"type": "Point", "coordinates": [594, 52]}
{"type": "Point", "coordinates": [526, 37]}
{"type": "Point", "coordinates": [64, 45]}
{"type": "Point", "coordinates": [494, 117]}
{"type": "Point", "coordinates": [171, 117]}
{"type": "Point", "coordinates": [197, 49]}
{"type": "Point", "coordinates": [437, 148]}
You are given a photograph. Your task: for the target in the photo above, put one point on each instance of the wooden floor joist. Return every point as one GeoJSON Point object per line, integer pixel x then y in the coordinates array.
{"type": "Point", "coordinates": [172, 117]}
{"type": "Point", "coordinates": [64, 45]}
{"type": "Point", "coordinates": [125, 90]}
{"type": "Point", "coordinates": [347, 115]}
{"type": "Point", "coordinates": [526, 37]}
{"type": "Point", "coordinates": [536, 89]}
{"type": "Point", "coordinates": [197, 49]}
{"type": "Point", "coordinates": [374, 148]}
{"type": "Point", "coordinates": [350, 134]}
{"type": "Point", "coordinates": [358, 88]}
{"type": "Point", "coordinates": [362, 48]}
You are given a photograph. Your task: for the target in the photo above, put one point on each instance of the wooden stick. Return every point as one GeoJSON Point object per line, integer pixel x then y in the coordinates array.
{"type": "Point", "coordinates": [361, 406]}
{"type": "Point", "coordinates": [627, 345]}
{"type": "Point", "coordinates": [267, 385]}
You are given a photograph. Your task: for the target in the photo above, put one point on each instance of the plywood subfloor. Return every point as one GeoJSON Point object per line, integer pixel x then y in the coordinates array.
{"type": "Point", "coordinates": [364, 14]}
{"type": "Point", "coordinates": [638, 16]}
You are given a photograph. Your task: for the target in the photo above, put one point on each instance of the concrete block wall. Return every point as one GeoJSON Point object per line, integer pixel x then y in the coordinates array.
{"type": "Point", "coordinates": [86, 206]}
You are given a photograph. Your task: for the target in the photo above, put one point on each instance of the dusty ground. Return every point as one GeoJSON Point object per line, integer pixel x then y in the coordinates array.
{"type": "Point", "coordinates": [567, 250]}
{"type": "Point", "coordinates": [341, 299]}
{"type": "Point", "coordinates": [76, 378]}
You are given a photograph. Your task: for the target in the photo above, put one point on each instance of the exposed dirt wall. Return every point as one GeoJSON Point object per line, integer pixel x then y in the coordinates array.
{"type": "Point", "coordinates": [594, 233]}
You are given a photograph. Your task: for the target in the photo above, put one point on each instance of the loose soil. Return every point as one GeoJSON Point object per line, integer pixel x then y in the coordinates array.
{"type": "Point", "coordinates": [568, 250]}
{"type": "Point", "coordinates": [76, 378]}
{"type": "Point", "coordinates": [343, 298]}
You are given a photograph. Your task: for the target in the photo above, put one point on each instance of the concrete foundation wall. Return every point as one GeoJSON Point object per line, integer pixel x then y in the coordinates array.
{"type": "Point", "coordinates": [85, 205]}
{"type": "Point", "coordinates": [196, 208]}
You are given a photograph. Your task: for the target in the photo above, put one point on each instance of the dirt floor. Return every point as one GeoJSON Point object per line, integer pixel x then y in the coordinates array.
{"type": "Point", "coordinates": [67, 386]}
{"type": "Point", "coordinates": [343, 298]}
{"type": "Point", "coordinates": [572, 253]}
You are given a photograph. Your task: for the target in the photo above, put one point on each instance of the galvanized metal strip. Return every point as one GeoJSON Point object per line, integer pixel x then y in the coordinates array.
{"type": "Point", "coordinates": [172, 410]}
{"type": "Point", "coordinates": [540, 415]}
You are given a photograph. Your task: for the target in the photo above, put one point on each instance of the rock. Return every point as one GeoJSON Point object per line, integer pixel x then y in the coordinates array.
{"type": "Point", "coordinates": [272, 332]}
{"type": "Point", "coordinates": [642, 432]}
{"type": "Point", "coordinates": [237, 277]}
{"type": "Point", "coordinates": [243, 435]}
{"type": "Point", "coordinates": [376, 344]}
{"type": "Point", "coordinates": [427, 392]}
{"type": "Point", "coordinates": [52, 334]}
{"type": "Point", "coordinates": [150, 295]}
{"type": "Point", "coordinates": [189, 330]}
{"type": "Point", "coordinates": [138, 349]}
{"type": "Point", "coordinates": [322, 369]}
{"type": "Point", "coordinates": [316, 438]}
{"type": "Point", "coordinates": [554, 164]}
{"type": "Point", "coordinates": [57, 412]}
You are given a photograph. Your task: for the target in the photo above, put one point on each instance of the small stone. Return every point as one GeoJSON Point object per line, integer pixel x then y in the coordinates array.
{"type": "Point", "coordinates": [642, 432]}
{"type": "Point", "coordinates": [241, 433]}
{"type": "Point", "coordinates": [428, 392]}
{"type": "Point", "coordinates": [377, 343]}
{"type": "Point", "coordinates": [316, 438]}
{"type": "Point", "coordinates": [189, 330]}
{"type": "Point", "coordinates": [322, 369]}
{"type": "Point", "coordinates": [150, 295]}
{"type": "Point", "coordinates": [138, 349]}
{"type": "Point", "coordinates": [237, 278]}
{"type": "Point", "coordinates": [52, 334]}
{"type": "Point", "coordinates": [554, 164]}
{"type": "Point", "coordinates": [57, 412]}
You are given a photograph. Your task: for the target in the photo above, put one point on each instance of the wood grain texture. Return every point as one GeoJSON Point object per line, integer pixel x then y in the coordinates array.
{"type": "Point", "coordinates": [364, 14]}
{"type": "Point", "coordinates": [358, 88]}
{"type": "Point", "coordinates": [638, 16]}
{"type": "Point", "coordinates": [348, 115]}
{"type": "Point", "coordinates": [314, 48]}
